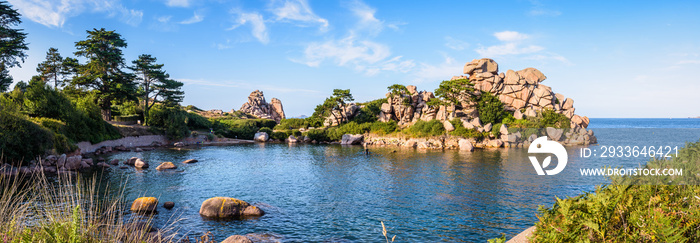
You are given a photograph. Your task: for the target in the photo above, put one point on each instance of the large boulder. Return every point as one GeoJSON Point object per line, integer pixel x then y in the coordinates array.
{"type": "Point", "coordinates": [131, 161]}
{"type": "Point", "coordinates": [145, 204]}
{"type": "Point", "coordinates": [350, 139]}
{"type": "Point", "coordinates": [227, 207]}
{"type": "Point", "coordinates": [448, 126]}
{"type": "Point", "coordinates": [166, 166]}
{"type": "Point", "coordinates": [292, 139]}
{"type": "Point", "coordinates": [73, 162]}
{"type": "Point", "coordinates": [261, 137]}
{"type": "Point", "coordinates": [465, 145]}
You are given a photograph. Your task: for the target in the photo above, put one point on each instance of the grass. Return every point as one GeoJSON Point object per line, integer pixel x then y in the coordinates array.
{"type": "Point", "coordinates": [35, 209]}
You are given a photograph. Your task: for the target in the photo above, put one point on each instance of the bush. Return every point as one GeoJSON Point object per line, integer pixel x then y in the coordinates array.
{"type": "Point", "coordinates": [169, 120]}
{"type": "Point", "coordinates": [550, 118]}
{"type": "Point", "coordinates": [127, 108]}
{"type": "Point", "coordinates": [292, 123]}
{"type": "Point", "coordinates": [461, 131]}
{"type": "Point", "coordinates": [21, 140]}
{"type": "Point", "coordinates": [426, 129]}
{"type": "Point", "coordinates": [279, 135]}
{"type": "Point", "coordinates": [383, 128]}
{"type": "Point", "coordinates": [241, 128]}
{"type": "Point", "coordinates": [320, 135]}
{"type": "Point", "coordinates": [195, 121]}
{"type": "Point", "coordinates": [266, 130]}
{"type": "Point", "coordinates": [490, 109]}
{"type": "Point", "coordinates": [61, 143]}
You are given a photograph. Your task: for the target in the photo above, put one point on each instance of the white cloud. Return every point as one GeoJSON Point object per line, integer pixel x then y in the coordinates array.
{"type": "Point", "coordinates": [178, 3]}
{"type": "Point", "coordinates": [55, 13]}
{"type": "Point", "coordinates": [431, 73]}
{"type": "Point", "coordinates": [510, 36]}
{"type": "Point", "coordinates": [258, 28]}
{"type": "Point", "coordinates": [508, 49]}
{"type": "Point", "coordinates": [298, 10]}
{"type": "Point", "coordinates": [366, 19]}
{"type": "Point", "coordinates": [362, 55]}
{"type": "Point", "coordinates": [455, 44]}
{"type": "Point", "coordinates": [194, 19]}
{"type": "Point", "coordinates": [164, 19]}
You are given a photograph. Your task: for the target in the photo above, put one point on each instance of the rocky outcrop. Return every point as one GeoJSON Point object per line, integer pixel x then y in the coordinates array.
{"type": "Point", "coordinates": [258, 107]}
{"type": "Point", "coordinates": [227, 207]}
{"type": "Point", "coordinates": [520, 91]}
{"type": "Point", "coordinates": [338, 116]}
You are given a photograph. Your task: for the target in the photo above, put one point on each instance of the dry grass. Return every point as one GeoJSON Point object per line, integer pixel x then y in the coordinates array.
{"type": "Point", "coordinates": [36, 209]}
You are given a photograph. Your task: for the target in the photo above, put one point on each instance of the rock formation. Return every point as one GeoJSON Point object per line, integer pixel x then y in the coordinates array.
{"type": "Point", "coordinates": [520, 91]}
{"type": "Point", "coordinates": [258, 107]}
{"type": "Point", "coordinates": [227, 207]}
{"type": "Point", "coordinates": [348, 112]}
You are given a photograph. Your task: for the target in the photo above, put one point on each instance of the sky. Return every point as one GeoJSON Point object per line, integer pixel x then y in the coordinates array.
{"type": "Point", "coordinates": [613, 58]}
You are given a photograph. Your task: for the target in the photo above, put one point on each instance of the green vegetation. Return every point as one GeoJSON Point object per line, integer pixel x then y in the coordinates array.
{"type": "Point", "coordinates": [16, 133]}
{"type": "Point", "coordinates": [426, 129]}
{"type": "Point", "coordinates": [332, 106]}
{"type": "Point", "coordinates": [399, 91]}
{"type": "Point", "coordinates": [490, 109]}
{"type": "Point", "coordinates": [240, 128]}
{"type": "Point", "coordinates": [546, 118]}
{"type": "Point", "coordinates": [12, 43]}
{"type": "Point", "coordinates": [155, 86]}
{"type": "Point", "coordinates": [292, 123]}
{"type": "Point", "coordinates": [369, 112]}
{"type": "Point", "coordinates": [632, 209]}
{"type": "Point", "coordinates": [461, 131]}
{"type": "Point", "coordinates": [452, 92]}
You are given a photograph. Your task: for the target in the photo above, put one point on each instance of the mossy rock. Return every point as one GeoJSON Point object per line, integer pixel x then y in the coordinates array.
{"type": "Point", "coordinates": [227, 207]}
{"type": "Point", "coordinates": [144, 204]}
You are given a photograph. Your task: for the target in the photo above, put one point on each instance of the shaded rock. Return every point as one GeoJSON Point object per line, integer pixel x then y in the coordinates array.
{"type": "Point", "coordinates": [189, 161]}
{"type": "Point", "coordinates": [292, 139]}
{"type": "Point", "coordinates": [350, 139]}
{"type": "Point", "coordinates": [166, 166]}
{"type": "Point", "coordinates": [179, 144]}
{"type": "Point", "coordinates": [554, 133]}
{"type": "Point", "coordinates": [227, 207]}
{"type": "Point", "coordinates": [103, 165]}
{"type": "Point", "coordinates": [261, 137]}
{"type": "Point", "coordinates": [61, 161]}
{"type": "Point", "coordinates": [144, 204]}
{"type": "Point", "coordinates": [517, 114]}
{"type": "Point", "coordinates": [73, 162]}
{"type": "Point", "coordinates": [131, 161]}
{"type": "Point", "coordinates": [114, 162]}
{"type": "Point", "coordinates": [504, 129]}
{"type": "Point", "coordinates": [487, 127]}
{"type": "Point", "coordinates": [168, 205]}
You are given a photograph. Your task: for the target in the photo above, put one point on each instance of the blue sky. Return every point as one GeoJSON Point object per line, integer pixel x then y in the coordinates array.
{"type": "Point", "coordinates": [614, 58]}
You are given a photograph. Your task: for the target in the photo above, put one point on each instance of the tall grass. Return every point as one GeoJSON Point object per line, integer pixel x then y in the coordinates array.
{"type": "Point", "coordinates": [70, 209]}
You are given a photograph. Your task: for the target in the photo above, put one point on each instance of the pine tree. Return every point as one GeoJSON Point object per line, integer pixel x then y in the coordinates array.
{"type": "Point", "coordinates": [12, 44]}
{"type": "Point", "coordinates": [155, 84]}
{"type": "Point", "coordinates": [103, 71]}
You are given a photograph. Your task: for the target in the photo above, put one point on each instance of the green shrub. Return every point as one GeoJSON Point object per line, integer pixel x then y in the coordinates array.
{"type": "Point", "coordinates": [383, 128]}
{"type": "Point", "coordinates": [490, 109]}
{"type": "Point", "coordinates": [169, 120]}
{"type": "Point", "coordinates": [21, 140]}
{"type": "Point", "coordinates": [632, 209]}
{"type": "Point", "coordinates": [461, 131]}
{"type": "Point", "coordinates": [61, 143]}
{"type": "Point", "coordinates": [550, 118]}
{"type": "Point", "coordinates": [127, 108]}
{"type": "Point", "coordinates": [241, 128]}
{"type": "Point", "coordinates": [279, 135]}
{"type": "Point", "coordinates": [426, 129]}
{"type": "Point", "coordinates": [266, 130]}
{"type": "Point", "coordinates": [320, 135]}
{"type": "Point", "coordinates": [292, 123]}
{"type": "Point", "coordinates": [195, 121]}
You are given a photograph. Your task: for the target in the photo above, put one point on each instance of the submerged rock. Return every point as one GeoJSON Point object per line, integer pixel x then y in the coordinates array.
{"type": "Point", "coordinates": [189, 161]}
{"type": "Point", "coordinates": [166, 166]}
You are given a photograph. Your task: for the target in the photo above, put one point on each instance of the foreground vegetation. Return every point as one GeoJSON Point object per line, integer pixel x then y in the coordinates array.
{"type": "Point", "coordinates": [632, 208]}
{"type": "Point", "coordinates": [72, 210]}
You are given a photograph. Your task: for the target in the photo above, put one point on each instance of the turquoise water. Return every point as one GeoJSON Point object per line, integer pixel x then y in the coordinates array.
{"type": "Point", "coordinates": [332, 193]}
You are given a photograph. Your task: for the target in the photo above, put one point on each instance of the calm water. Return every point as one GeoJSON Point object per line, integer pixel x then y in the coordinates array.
{"type": "Point", "coordinates": [325, 193]}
